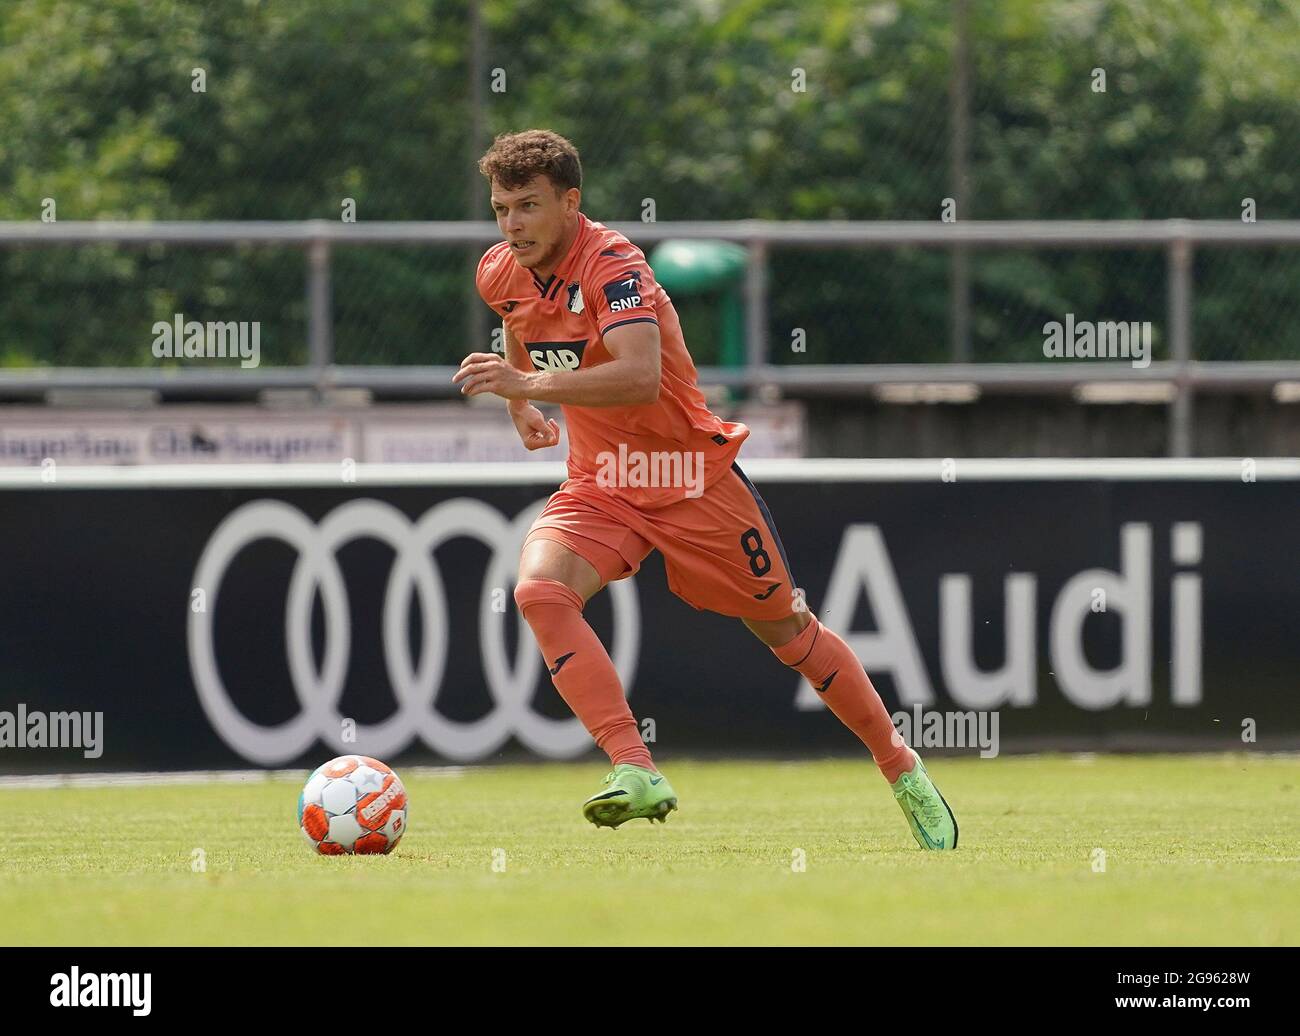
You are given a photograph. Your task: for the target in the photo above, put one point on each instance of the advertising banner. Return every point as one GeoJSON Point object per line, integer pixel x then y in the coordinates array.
{"type": "Point", "coordinates": [227, 617]}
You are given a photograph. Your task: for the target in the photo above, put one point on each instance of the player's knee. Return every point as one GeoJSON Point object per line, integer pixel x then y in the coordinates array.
{"type": "Point", "coordinates": [533, 591]}
{"type": "Point", "coordinates": [548, 560]}
{"type": "Point", "coordinates": [776, 632]}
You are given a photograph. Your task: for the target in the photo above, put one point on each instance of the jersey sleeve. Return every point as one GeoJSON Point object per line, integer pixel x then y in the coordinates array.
{"type": "Point", "coordinates": [487, 274]}
{"type": "Point", "coordinates": [624, 289]}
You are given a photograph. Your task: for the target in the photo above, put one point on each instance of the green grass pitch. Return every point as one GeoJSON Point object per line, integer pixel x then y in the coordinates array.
{"type": "Point", "coordinates": [1198, 850]}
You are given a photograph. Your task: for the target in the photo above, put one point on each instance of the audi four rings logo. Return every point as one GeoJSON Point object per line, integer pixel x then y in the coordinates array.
{"type": "Point", "coordinates": [415, 684]}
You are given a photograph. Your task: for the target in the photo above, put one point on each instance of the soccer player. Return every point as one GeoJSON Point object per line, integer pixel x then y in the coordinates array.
{"type": "Point", "coordinates": [650, 468]}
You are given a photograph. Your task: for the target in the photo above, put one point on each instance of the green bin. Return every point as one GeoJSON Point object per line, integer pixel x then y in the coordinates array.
{"type": "Point", "coordinates": [690, 267]}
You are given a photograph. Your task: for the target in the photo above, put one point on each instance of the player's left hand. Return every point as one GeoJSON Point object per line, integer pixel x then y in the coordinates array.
{"type": "Point", "coordinates": [488, 372]}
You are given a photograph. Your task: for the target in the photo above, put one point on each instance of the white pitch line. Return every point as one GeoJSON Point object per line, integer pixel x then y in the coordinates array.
{"type": "Point", "coordinates": [182, 777]}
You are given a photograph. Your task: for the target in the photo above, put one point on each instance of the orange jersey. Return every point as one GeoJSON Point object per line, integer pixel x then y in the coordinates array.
{"type": "Point", "coordinates": [604, 282]}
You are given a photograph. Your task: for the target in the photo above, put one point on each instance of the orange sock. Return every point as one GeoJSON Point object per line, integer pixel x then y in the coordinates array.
{"type": "Point", "coordinates": [839, 679]}
{"type": "Point", "coordinates": [580, 668]}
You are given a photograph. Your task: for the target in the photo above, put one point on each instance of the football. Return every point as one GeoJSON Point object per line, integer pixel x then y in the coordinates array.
{"type": "Point", "coordinates": [353, 805]}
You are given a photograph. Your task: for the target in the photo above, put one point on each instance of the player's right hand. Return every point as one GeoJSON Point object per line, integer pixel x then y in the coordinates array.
{"type": "Point", "coordinates": [535, 431]}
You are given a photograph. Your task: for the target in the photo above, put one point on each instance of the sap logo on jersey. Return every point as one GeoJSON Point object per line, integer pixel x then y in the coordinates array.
{"type": "Point", "coordinates": [556, 356]}
{"type": "Point", "coordinates": [624, 293]}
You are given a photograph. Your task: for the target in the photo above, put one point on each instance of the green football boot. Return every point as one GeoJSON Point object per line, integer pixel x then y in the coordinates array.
{"type": "Point", "coordinates": [933, 825]}
{"type": "Point", "coordinates": [631, 792]}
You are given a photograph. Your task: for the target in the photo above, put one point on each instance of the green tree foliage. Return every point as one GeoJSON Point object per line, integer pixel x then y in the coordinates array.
{"type": "Point", "coordinates": [715, 110]}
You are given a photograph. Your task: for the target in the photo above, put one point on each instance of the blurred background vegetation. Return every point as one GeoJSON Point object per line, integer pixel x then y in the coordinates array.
{"type": "Point", "coordinates": [687, 102]}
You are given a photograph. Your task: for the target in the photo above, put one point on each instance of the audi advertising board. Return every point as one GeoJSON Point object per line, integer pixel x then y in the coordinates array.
{"type": "Point", "coordinates": [219, 617]}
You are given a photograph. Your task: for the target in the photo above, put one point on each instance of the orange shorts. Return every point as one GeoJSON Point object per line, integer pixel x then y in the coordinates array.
{"type": "Point", "coordinates": [721, 549]}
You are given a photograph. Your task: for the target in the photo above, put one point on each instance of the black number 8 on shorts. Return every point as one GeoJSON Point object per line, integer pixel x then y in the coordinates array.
{"type": "Point", "coordinates": [751, 542]}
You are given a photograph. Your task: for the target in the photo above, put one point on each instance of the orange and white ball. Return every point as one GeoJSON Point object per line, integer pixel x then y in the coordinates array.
{"type": "Point", "coordinates": [353, 804]}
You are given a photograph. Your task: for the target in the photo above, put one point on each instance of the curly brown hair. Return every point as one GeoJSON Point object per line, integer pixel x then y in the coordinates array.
{"type": "Point", "coordinates": [515, 158]}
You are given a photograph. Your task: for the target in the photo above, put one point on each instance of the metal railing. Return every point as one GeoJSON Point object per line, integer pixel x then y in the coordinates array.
{"type": "Point", "coordinates": [1179, 239]}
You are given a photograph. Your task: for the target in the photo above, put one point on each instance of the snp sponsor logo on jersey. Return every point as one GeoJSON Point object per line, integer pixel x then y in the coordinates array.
{"type": "Point", "coordinates": [624, 293]}
{"type": "Point", "coordinates": [556, 356]}
{"type": "Point", "coordinates": [125, 989]}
